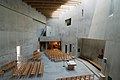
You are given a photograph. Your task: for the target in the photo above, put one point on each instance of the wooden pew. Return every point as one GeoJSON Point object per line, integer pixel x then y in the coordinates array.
{"type": "Point", "coordinates": [26, 70]}
{"type": "Point", "coordinates": [69, 78]}
{"type": "Point", "coordinates": [63, 79]}
{"type": "Point", "coordinates": [15, 72]}
{"type": "Point", "coordinates": [34, 70]}
{"type": "Point", "coordinates": [88, 77]}
{"type": "Point", "coordinates": [35, 56]}
{"type": "Point", "coordinates": [58, 79]}
{"type": "Point", "coordinates": [22, 68]}
{"type": "Point", "coordinates": [31, 68]}
{"type": "Point", "coordinates": [41, 68]}
{"type": "Point", "coordinates": [9, 66]}
{"type": "Point", "coordinates": [78, 77]}
{"type": "Point", "coordinates": [1, 73]}
{"type": "Point", "coordinates": [82, 77]}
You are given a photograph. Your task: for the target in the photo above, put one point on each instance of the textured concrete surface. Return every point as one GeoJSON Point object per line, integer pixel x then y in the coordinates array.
{"type": "Point", "coordinates": [80, 25]}
{"type": "Point", "coordinates": [101, 20]}
{"type": "Point", "coordinates": [18, 27]}
{"type": "Point", "coordinates": [91, 48]}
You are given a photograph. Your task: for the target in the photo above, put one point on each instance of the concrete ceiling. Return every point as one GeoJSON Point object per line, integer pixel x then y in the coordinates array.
{"type": "Point", "coordinates": [47, 7]}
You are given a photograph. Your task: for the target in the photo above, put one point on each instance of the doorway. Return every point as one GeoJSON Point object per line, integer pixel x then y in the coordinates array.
{"type": "Point", "coordinates": [65, 48]}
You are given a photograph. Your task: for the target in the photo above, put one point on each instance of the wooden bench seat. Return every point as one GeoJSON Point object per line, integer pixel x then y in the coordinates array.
{"type": "Point", "coordinates": [63, 79]}
{"type": "Point", "coordinates": [82, 77]}
{"type": "Point", "coordinates": [35, 56]}
{"type": "Point", "coordinates": [95, 64]}
{"type": "Point", "coordinates": [1, 73]}
{"type": "Point", "coordinates": [9, 66]}
{"type": "Point", "coordinates": [31, 68]}
{"type": "Point", "coordinates": [78, 77]}
{"type": "Point", "coordinates": [22, 68]}
{"type": "Point", "coordinates": [41, 68]}
{"type": "Point", "coordinates": [69, 78]}
{"type": "Point", "coordinates": [34, 70]}
{"type": "Point", "coordinates": [26, 70]}
{"type": "Point", "coordinates": [15, 72]}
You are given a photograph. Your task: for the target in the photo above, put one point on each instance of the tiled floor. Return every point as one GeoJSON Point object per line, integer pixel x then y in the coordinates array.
{"type": "Point", "coordinates": [54, 70]}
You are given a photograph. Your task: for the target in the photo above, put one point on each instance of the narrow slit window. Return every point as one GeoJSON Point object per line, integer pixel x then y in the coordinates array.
{"type": "Point", "coordinates": [82, 12]}
{"type": "Point", "coordinates": [68, 21]}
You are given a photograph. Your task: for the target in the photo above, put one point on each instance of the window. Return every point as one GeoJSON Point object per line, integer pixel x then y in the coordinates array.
{"type": "Point", "coordinates": [82, 12]}
{"type": "Point", "coordinates": [18, 48]}
{"type": "Point", "coordinates": [68, 21]}
{"type": "Point", "coordinates": [65, 48]}
{"type": "Point", "coordinates": [70, 47]}
{"type": "Point", "coordinates": [111, 8]}
{"type": "Point", "coordinates": [78, 49]}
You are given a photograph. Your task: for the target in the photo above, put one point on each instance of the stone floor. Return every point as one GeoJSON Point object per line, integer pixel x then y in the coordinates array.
{"type": "Point", "coordinates": [54, 70]}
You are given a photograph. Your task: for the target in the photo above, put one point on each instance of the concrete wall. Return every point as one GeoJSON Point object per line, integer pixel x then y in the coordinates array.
{"type": "Point", "coordinates": [80, 25]}
{"type": "Point", "coordinates": [91, 48]}
{"type": "Point", "coordinates": [19, 26]}
{"type": "Point", "coordinates": [105, 25]}
{"type": "Point", "coordinates": [101, 20]}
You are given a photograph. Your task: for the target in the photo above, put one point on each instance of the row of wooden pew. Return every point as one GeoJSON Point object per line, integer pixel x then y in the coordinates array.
{"type": "Point", "coordinates": [35, 56]}
{"type": "Point", "coordinates": [7, 67]}
{"type": "Point", "coordinates": [57, 55]}
{"type": "Point", "coordinates": [24, 69]}
{"type": "Point", "coordinates": [83, 77]}
{"type": "Point", "coordinates": [1, 73]}
{"type": "Point", "coordinates": [30, 69]}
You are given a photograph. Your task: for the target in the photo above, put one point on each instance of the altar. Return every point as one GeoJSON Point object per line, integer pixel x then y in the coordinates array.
{"type": "Point", "coordinates": [71, 65]}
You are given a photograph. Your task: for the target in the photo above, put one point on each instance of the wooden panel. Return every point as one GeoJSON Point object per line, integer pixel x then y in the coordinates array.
{"type": "Point", "coordinates": [49, 6]}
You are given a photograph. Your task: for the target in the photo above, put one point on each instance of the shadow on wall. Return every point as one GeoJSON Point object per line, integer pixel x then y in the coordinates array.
{"type": "Point", "coordinates": [93, 50]}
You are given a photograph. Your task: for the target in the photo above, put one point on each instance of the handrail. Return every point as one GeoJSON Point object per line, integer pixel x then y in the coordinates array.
{"type": "Point", "coordinates": [43, 31]}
